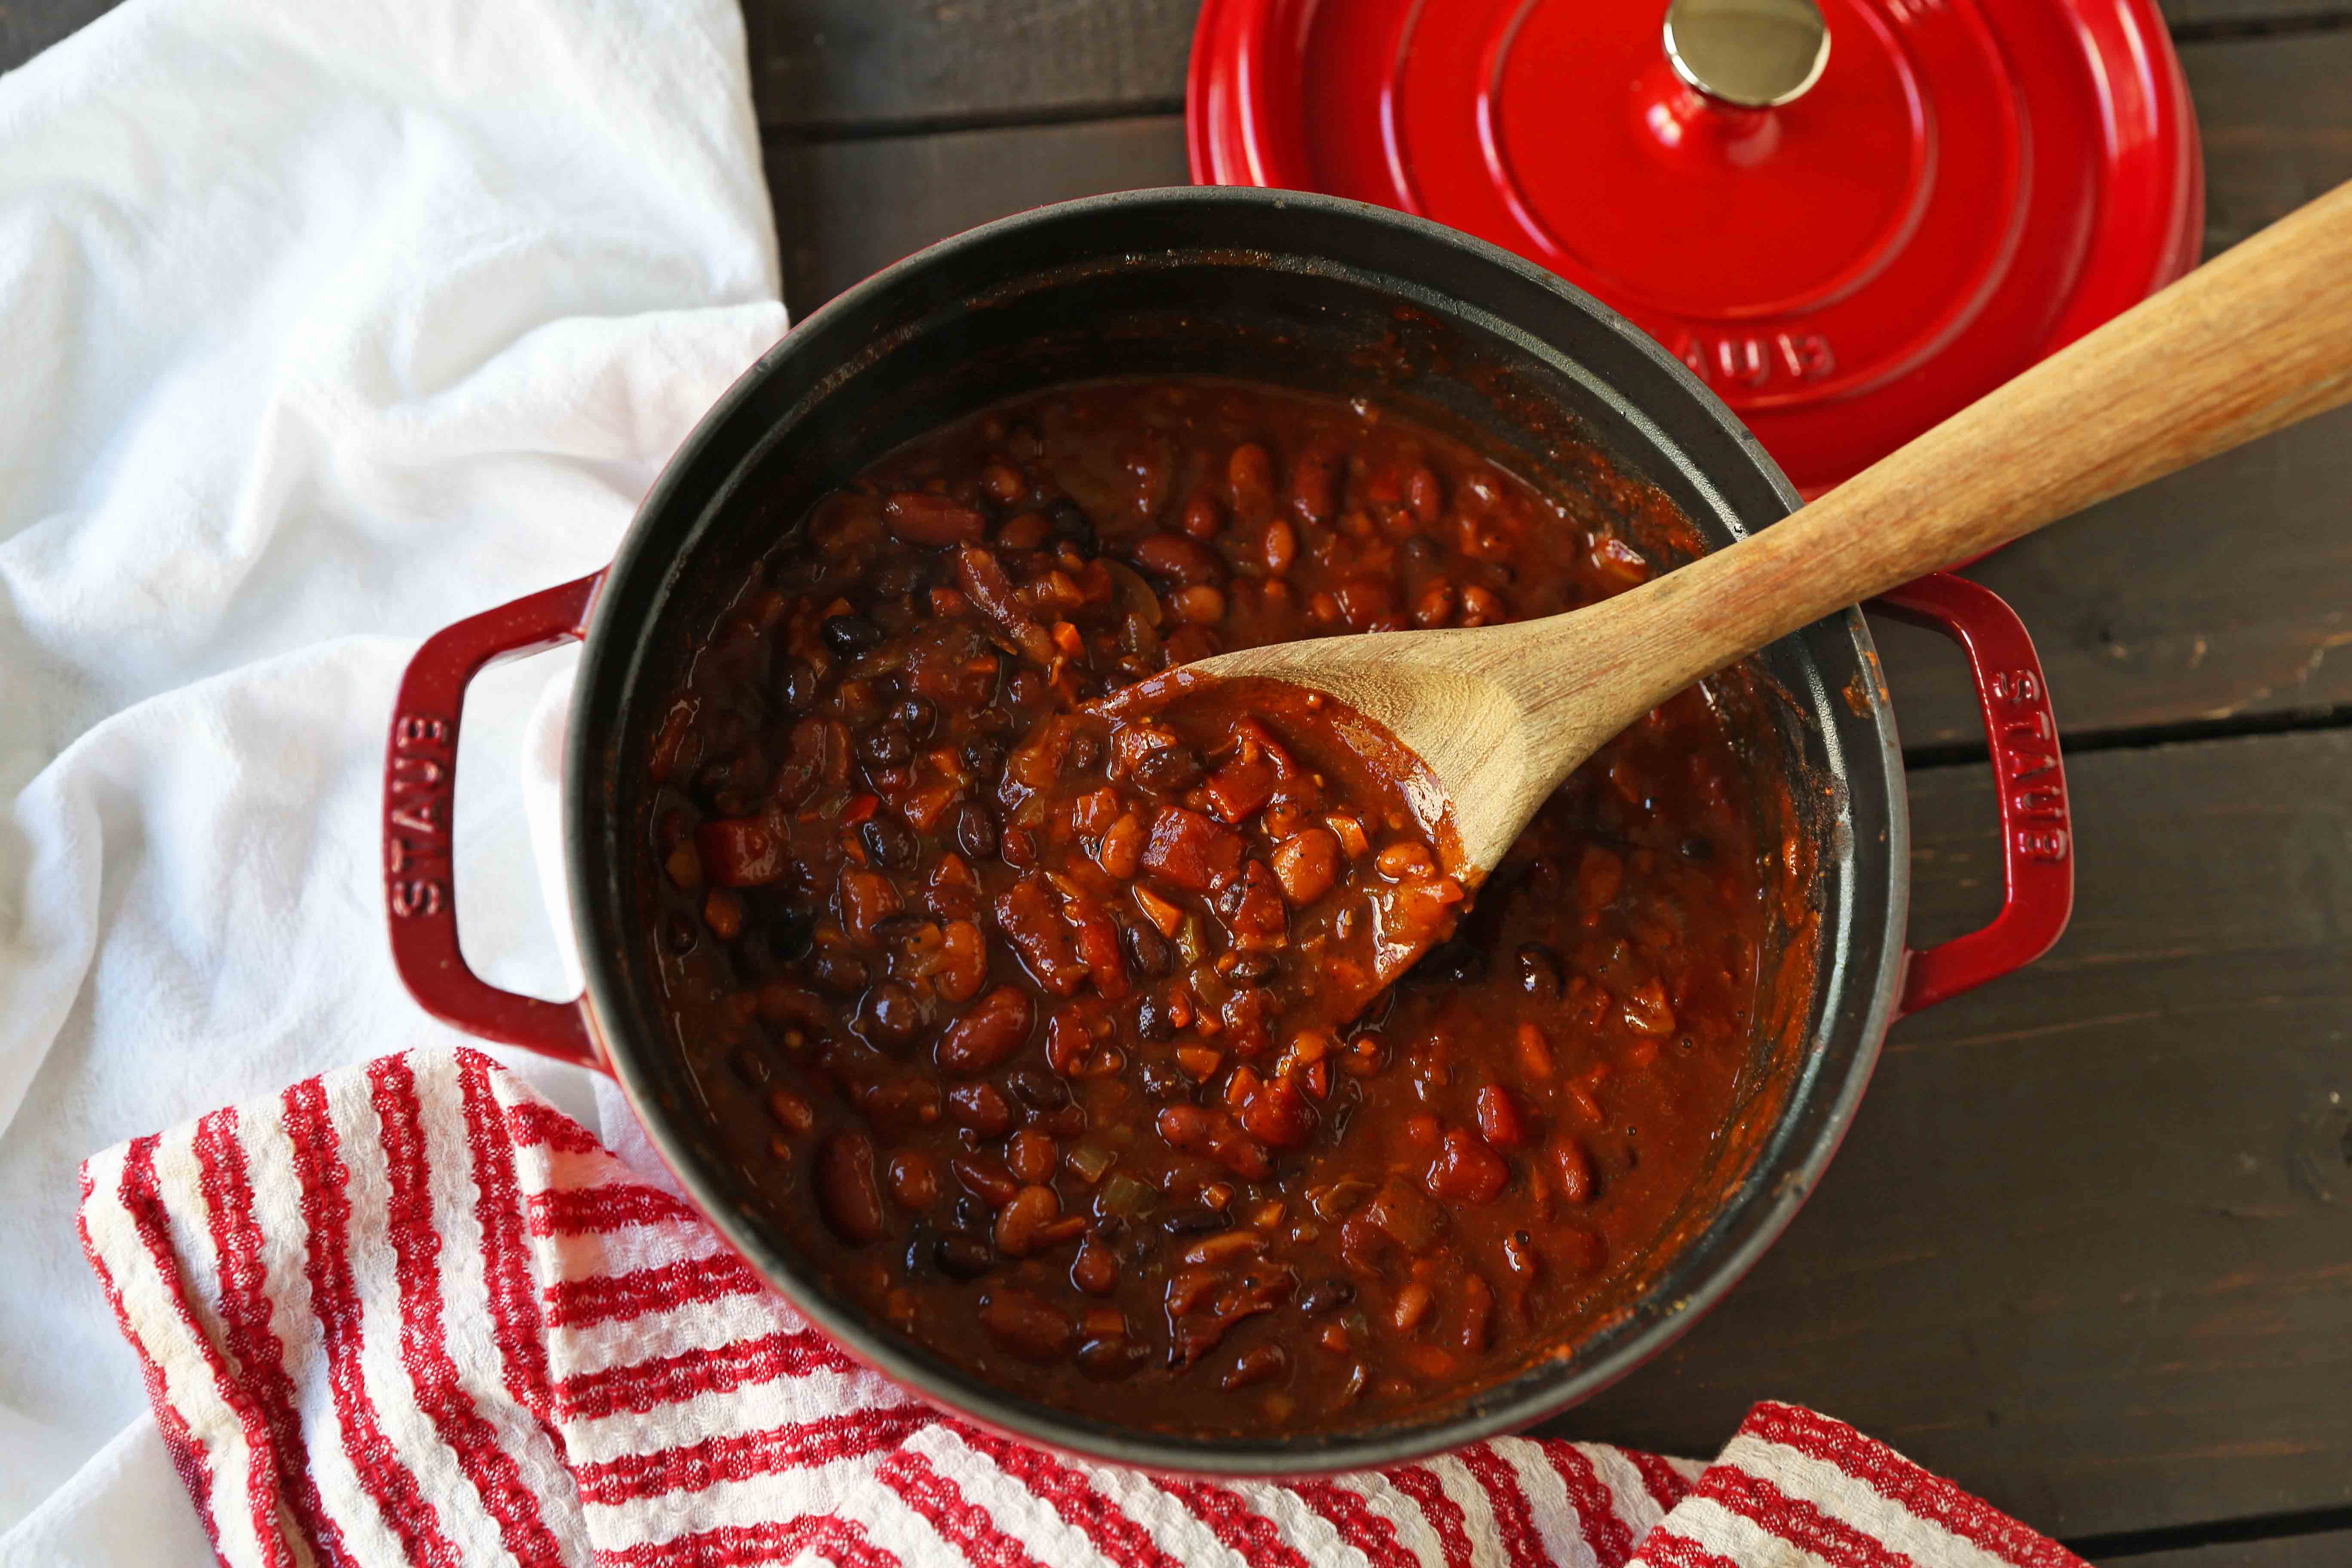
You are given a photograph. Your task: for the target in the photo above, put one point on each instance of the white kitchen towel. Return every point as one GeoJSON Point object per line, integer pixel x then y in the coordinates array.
{"type": "Point", "coordinates": [322, 323]}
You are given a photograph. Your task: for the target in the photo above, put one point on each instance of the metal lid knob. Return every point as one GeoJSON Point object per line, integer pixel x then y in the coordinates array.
{"type": "Point", "coordinates": [1754, 54]}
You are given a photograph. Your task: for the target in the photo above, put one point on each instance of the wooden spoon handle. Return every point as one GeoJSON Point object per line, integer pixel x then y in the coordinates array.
{"type": "Point", "coordinates": [2258, 338]}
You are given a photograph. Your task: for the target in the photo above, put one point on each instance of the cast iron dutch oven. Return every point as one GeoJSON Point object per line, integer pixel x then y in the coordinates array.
{"type": "Point", "coordinates": [1334, 296]}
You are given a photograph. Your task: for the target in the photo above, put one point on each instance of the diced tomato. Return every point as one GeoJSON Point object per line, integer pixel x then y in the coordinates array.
{"type": "Point", "coordinates": [1193, 852]}
{"type": "Point", "coordinates": [1030, 913]}
{"type": "Point", "coordinates": [1098, 946]}
{"type": "Point", "coordinates": [1238, 789]}
{"type": "Point", "coordinates": [742, 851]}
{"type": "Point", "coordinates": [868, 897]}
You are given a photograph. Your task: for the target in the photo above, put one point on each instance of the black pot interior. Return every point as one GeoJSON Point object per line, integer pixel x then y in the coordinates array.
{"type": "Point", "coordinates": [1329, 296]}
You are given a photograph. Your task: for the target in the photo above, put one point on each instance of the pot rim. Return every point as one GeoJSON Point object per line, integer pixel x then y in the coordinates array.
{"type": "Point", "coordinates": [1788, 1174]}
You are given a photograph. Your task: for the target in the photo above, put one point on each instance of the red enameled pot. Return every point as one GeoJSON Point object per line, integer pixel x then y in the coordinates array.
{"type": "Point", "coordinates": [1307, 291]}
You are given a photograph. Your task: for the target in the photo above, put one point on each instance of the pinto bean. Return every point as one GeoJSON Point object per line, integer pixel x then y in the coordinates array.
{"type": "Point", "coordinates": [846, 1192]}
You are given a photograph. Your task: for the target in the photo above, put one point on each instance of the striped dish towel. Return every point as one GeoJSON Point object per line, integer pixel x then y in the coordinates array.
{"type": "Point", "coordinates": [410, 1314]}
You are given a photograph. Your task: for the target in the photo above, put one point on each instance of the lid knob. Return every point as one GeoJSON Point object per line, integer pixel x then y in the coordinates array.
{"type": "Point", "coordinates": [1754, 54]}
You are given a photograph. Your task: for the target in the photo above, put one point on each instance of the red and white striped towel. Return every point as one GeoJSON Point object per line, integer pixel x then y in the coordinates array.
{"type": "Point", "coordinates": [409, 1313]}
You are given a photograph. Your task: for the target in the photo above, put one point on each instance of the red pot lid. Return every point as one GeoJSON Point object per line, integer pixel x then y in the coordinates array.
{"type": "Point", "coordinates": [1963, 188]}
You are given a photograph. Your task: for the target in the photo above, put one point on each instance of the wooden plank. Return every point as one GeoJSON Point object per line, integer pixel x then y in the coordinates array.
{"type": "Point", "coordinates": [2329, 1549]}
{"type": "Point", "coordinates": [2087, 1250]}
{"type": "Point", "coordinates": [853, 62]}
{"type": "Point", "coordinates": [2201, 18]}
{"type": "Point", "coordinates": [845, 209]}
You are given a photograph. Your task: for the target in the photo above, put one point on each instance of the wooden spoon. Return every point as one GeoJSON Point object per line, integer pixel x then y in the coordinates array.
{"type": "Point", "coordinates": [2254, 340]}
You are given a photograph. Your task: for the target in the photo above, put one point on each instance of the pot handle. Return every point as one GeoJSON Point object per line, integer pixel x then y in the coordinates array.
{"type": "Point", "coordinates": [2037, 839]}
{"type": "Point", "coordinates": [420, 795]}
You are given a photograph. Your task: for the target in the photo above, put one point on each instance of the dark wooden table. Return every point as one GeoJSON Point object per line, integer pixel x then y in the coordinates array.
{"type": "Point", "coordinates": [2088, 1250]}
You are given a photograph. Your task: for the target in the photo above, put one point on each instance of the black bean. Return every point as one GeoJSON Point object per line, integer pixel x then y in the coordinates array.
{"type": "Point", "coordinates": [752, 1067]}
{"type": "Point", "coordinates": [1068, 522]}
{"type": "Point", "coordinates": [1110, 1230]}
{"type": "Point", "coordinates": [1540, 972]}
{"type": "Point", "coordinates": [1251, 968]}
{"type": "Point", "coordinates": [1170, 769]}
{"type": "Point", "coordinates": [1195, 1222]}
{"type": "Point", "coordinates": [1085, 753]}
{"type": "Point", "coordinates": [1152, 1020]}
{"type": "Point", "coordinates": [1697, 850]}
{"type": "Point", "coordinates": [893, 1015]}
{"type": "Point", "coordinates": [1456, 960]}
{"type": "Point", "coordinates": [891, 843]}
{"type": "Point", "coordinates": [1326, 1296]}
{"type": "Point", "coordinates": [1040, 1090]}
{"type": "Point", "coordinates": [678, 933]}
{"type": "Point", "coordinates": [973, 1216]}
{"type": "Point", "coordinates": [795, 685]}
{"type": "Point", "coordinates": [888, 747]}
{"type": "Point", "coordinates": [837, 969]}
{"type": "Point", "coordinates": [920, 715]}
{"type": "Point", "coordinates": [984, 755]}
{"type": "Point", "coordinates": [1420, 549]}
{"type": "Point", "coordinates": [965, 1257]}
{"type": "Point", "coordinates": [1148, 950]}
{"type": "Point", "coordinates": [850, 635]}
{"type": "Point", "coordinates": [975, 830]}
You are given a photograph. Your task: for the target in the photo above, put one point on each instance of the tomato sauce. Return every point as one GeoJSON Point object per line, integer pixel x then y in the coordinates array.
{"type": "Point", "coordinates": [1053, 1032]}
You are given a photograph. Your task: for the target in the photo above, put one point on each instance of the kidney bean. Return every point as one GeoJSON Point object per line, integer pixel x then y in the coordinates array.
{"type": "Point", "coordinates": [846, 1194]}
{"type": "Point", "coordinates": [1094, 1270]}
{"type": "Point", "coordinates": [980, 1107]}
{"type": "Point", "coordinates": [1308, 863]}
{"type": "Point", "coordinates": [915, 1178]}
{"type": "Point", "coordinates": [1024, 1324]}
{"type": "Point", "coordinates": [986, 1180]}
{"type": "Point", "coordinates": [995, 1027]}
{"type": "Point", "coordinates": [1108, 1358]}
{"type": "Point", "coordinates": [1204, 518]}
{"type": "Point", "coordinates": [1024, 1223]}
{"type": "Point", "coordinates": [792, 1112]}
{"type": "Point", "coordinates": [1186, 562]}
{"type": "Point", "coordinates": [1031, 1156]}
{"type": "Point", "coordinates": [1500, 1122]}
{"type": "Point", "coordinates": [1573, 1165]}
{"type": "Point", "coordinates": [1259, 1363]}
{"type": "Point", "coordinates": [1412, 1305]}
{"type": "Point", "coordinates": [1278, 547]}
{"type": "Point", "coordinates": [1249, 475]}
{"type": "Point", "coordinates": [919, 517]}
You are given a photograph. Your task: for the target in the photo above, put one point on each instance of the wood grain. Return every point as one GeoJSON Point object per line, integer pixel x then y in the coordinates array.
{"type": "Point", "coordinates": [846, 209]}
{"type": "Point", "coordinates": [835, 63]}
{"type": "Point", "coordinates": [2089, 1248]}
{"type": "Point", "coordinates": [2330, 1548]}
